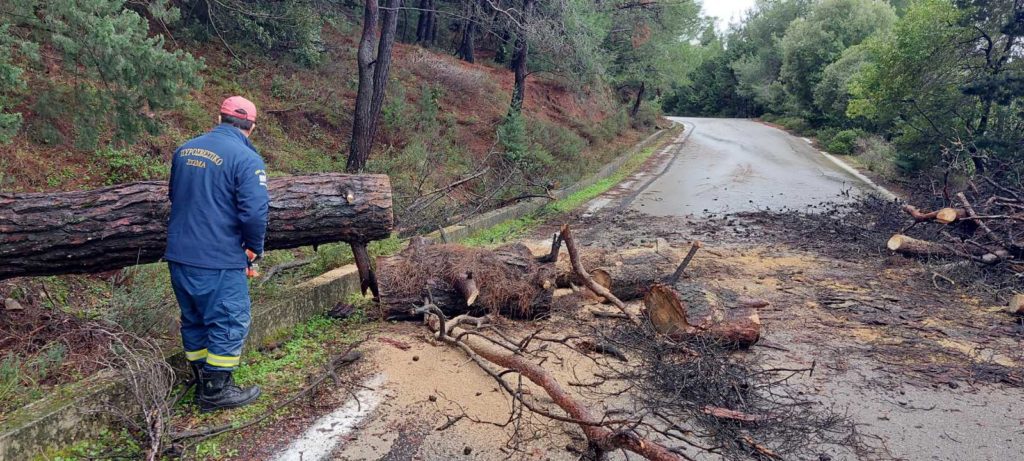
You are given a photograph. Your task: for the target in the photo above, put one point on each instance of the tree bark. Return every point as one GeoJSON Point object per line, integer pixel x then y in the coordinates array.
{"type": "Point", "coordinates": [911, 246]}
{"type": "Point", "coordinates": [507, 281]}
{"type": "Point", "coordinates": [124, 225]}
{"type": "Point", "coordinates": [941, 216]}
{"type": "Point", "coordinates": [639, 99]}
{"type": "Point", "coordinates": [382, 66]}
{"type": "Point", "coordinates": [519, 59]}
{"type": "Point", "coordinates": [466, 47]}
{"type": "Point", "coordinates": [373, 80]}
{"type": "Point", "coordinates": [362, 121]}
{"type": "Point", "coordinates": [631, 276]}
{"type": "Point", "coordinates": [423, 23]}
{"type": "Point", "coordinates": [738, 327]}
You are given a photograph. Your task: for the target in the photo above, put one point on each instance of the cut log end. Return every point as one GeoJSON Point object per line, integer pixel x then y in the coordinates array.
{"type": "Point", "coordinates": [949, 215]}
{"type": "Point", "coordinates": [739, 327]}
{"type": "Point", "coordinates": [602, 277]}
{"type": "Point", "coordinates": [1016, 306]}
{"type": "Point", "coordinates": [667, 311]}
{"type": "Point", "coordinates": [911, 246]}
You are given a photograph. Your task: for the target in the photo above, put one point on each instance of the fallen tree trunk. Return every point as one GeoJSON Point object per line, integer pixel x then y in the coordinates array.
{"type": "Point", "coordinates": [592, 257]}
{"type": "Point", "coordinates": [738, 327]}
{"type": "Point", "coordinates": [630, 281]}
{"type": "Point", "coordinates": [635, 271]}
{"type": "Point", "coordinates": [124, 225]}
{"type": "Point", "coordinates": [507, 280]}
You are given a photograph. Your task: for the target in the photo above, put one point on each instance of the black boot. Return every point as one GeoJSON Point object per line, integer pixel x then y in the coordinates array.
{"type": "Point", "coordinates": [197, 374]}
{"type": "Point", "coordinates": [219, 392]}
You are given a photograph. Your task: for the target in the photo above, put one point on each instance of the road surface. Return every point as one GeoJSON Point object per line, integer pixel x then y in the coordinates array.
{"type": "Point", "coordinates": [732, 165]}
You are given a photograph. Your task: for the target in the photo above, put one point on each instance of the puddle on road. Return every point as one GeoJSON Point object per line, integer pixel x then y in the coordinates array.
{"type": "Point", "coordinates": [326, 433]}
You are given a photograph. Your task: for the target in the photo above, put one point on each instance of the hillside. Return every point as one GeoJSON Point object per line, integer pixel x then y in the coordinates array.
{"type": "Point", "coordinates": [439, 109]}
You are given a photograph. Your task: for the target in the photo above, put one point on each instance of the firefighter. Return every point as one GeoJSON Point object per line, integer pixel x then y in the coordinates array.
{"type": "Point", "coordinates": [219, 206]}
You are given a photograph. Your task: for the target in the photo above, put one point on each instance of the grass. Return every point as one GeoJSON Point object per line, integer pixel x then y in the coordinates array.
{"type": "Point", "coordinates": [280, 371]}
{"type": "Point", "coordinates": [516, 228]}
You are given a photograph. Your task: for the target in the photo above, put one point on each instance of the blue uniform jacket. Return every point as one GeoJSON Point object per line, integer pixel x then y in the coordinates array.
{"type": "Point", "coordinates": [219, 201]}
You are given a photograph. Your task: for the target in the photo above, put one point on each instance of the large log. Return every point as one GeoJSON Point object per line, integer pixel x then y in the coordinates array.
{"type": "Point", "coordinates": [628, 282]}
{"type": "Point", "coordinates": [905, 245]}
{"type": "Point", "coordinates": [626, 274]}
{"type": "Point", "coordinates": [507, 280]}
{"type": "Point", "coordinates": [124, 225]}
{"type": "Point", "coordinates": [671, 315]}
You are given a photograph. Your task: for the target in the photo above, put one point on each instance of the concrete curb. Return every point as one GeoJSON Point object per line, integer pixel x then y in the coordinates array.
{"type": "Point", "coordinates": [70, 414]}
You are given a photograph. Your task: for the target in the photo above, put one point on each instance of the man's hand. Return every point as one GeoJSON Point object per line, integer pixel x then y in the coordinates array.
{"type": "Point", "coordinates": [253, 270]}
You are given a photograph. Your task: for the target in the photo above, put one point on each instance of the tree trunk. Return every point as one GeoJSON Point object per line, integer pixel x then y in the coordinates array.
{"type": "Point", "coordinates": [639, 99]}
{"type": "Point", "coordinates": [362, 120]}
{"type": "Point", "coordinates": [631, 276]}
{"type": "Point", "coordinates": [466, 47]}
{"type": "Point", "coordinates": [432, 30]}
{"type": "Point", "coordinates": [382, 66]}
{"type": "Point", "coordinates": [506, 281]}
{"type": "Point", "coordinates": [738, 327]}
{"type": "Point", "coordinates": [124, 225]}
{"type": "Point", "coordinates": [590, 257]}
{"type": "Point", "coordinates": [423, 24]}
{"type": "Point", "coordinates": [519, 61]}
{"type": "Point", "coordinates": [626, 282]}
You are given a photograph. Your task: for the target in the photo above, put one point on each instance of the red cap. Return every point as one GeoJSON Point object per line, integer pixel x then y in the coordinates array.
{"type": "Point", "coordinates": [237, 106]}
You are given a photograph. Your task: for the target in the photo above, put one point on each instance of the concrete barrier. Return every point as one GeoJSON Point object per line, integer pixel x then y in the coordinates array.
{"type": "Point", "coordinates": [70, 413]}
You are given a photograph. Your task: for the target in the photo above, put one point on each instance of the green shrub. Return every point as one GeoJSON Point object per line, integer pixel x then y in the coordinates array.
{"type": "Point", "coordinates": [512, 138]}
{"type": "Point", "coordinates": [877, 156]}
{"type": "Point", "coordinates": [795, 124]}
{"type": "Point", "coordinates": [124, 166]}
{"type": "Point", "coordinates": [825, 134]}
{"type": "Point", "coordinates": [647, 117]}
{"type": "Point", "coordinates": [844, 142]}
{"type": "Point", "coordinates": [140, 303]}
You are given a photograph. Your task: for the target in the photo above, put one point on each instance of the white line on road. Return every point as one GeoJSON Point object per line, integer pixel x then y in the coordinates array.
{"type": "Point", "coordinates": [885, 193]}
{"type": "Point", "coordinates": [326, 433]}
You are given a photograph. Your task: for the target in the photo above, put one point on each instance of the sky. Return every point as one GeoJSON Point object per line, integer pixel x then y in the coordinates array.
{"type": "Point", "coordinates": [726, 10]}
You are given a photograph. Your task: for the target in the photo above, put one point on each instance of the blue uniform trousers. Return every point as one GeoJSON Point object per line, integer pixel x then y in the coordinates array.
{"type": "Point", "coordinates": [214, 313]}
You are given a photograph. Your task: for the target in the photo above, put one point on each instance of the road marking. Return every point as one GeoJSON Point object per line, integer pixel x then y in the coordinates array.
{"type": "Point", "coordinates": [326, 433]}
{"type": "Point", "coordinates": [885, 193]}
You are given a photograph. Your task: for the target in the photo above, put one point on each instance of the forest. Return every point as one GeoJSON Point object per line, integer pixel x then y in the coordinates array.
{"type": "Point", "coordinates": [99, 92]}
{"type": "Point", "coordinates": [922, 89]}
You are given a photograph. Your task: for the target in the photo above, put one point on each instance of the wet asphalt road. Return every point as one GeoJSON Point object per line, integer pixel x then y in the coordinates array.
{"type": "Point", "coordinates": [733, 165]}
